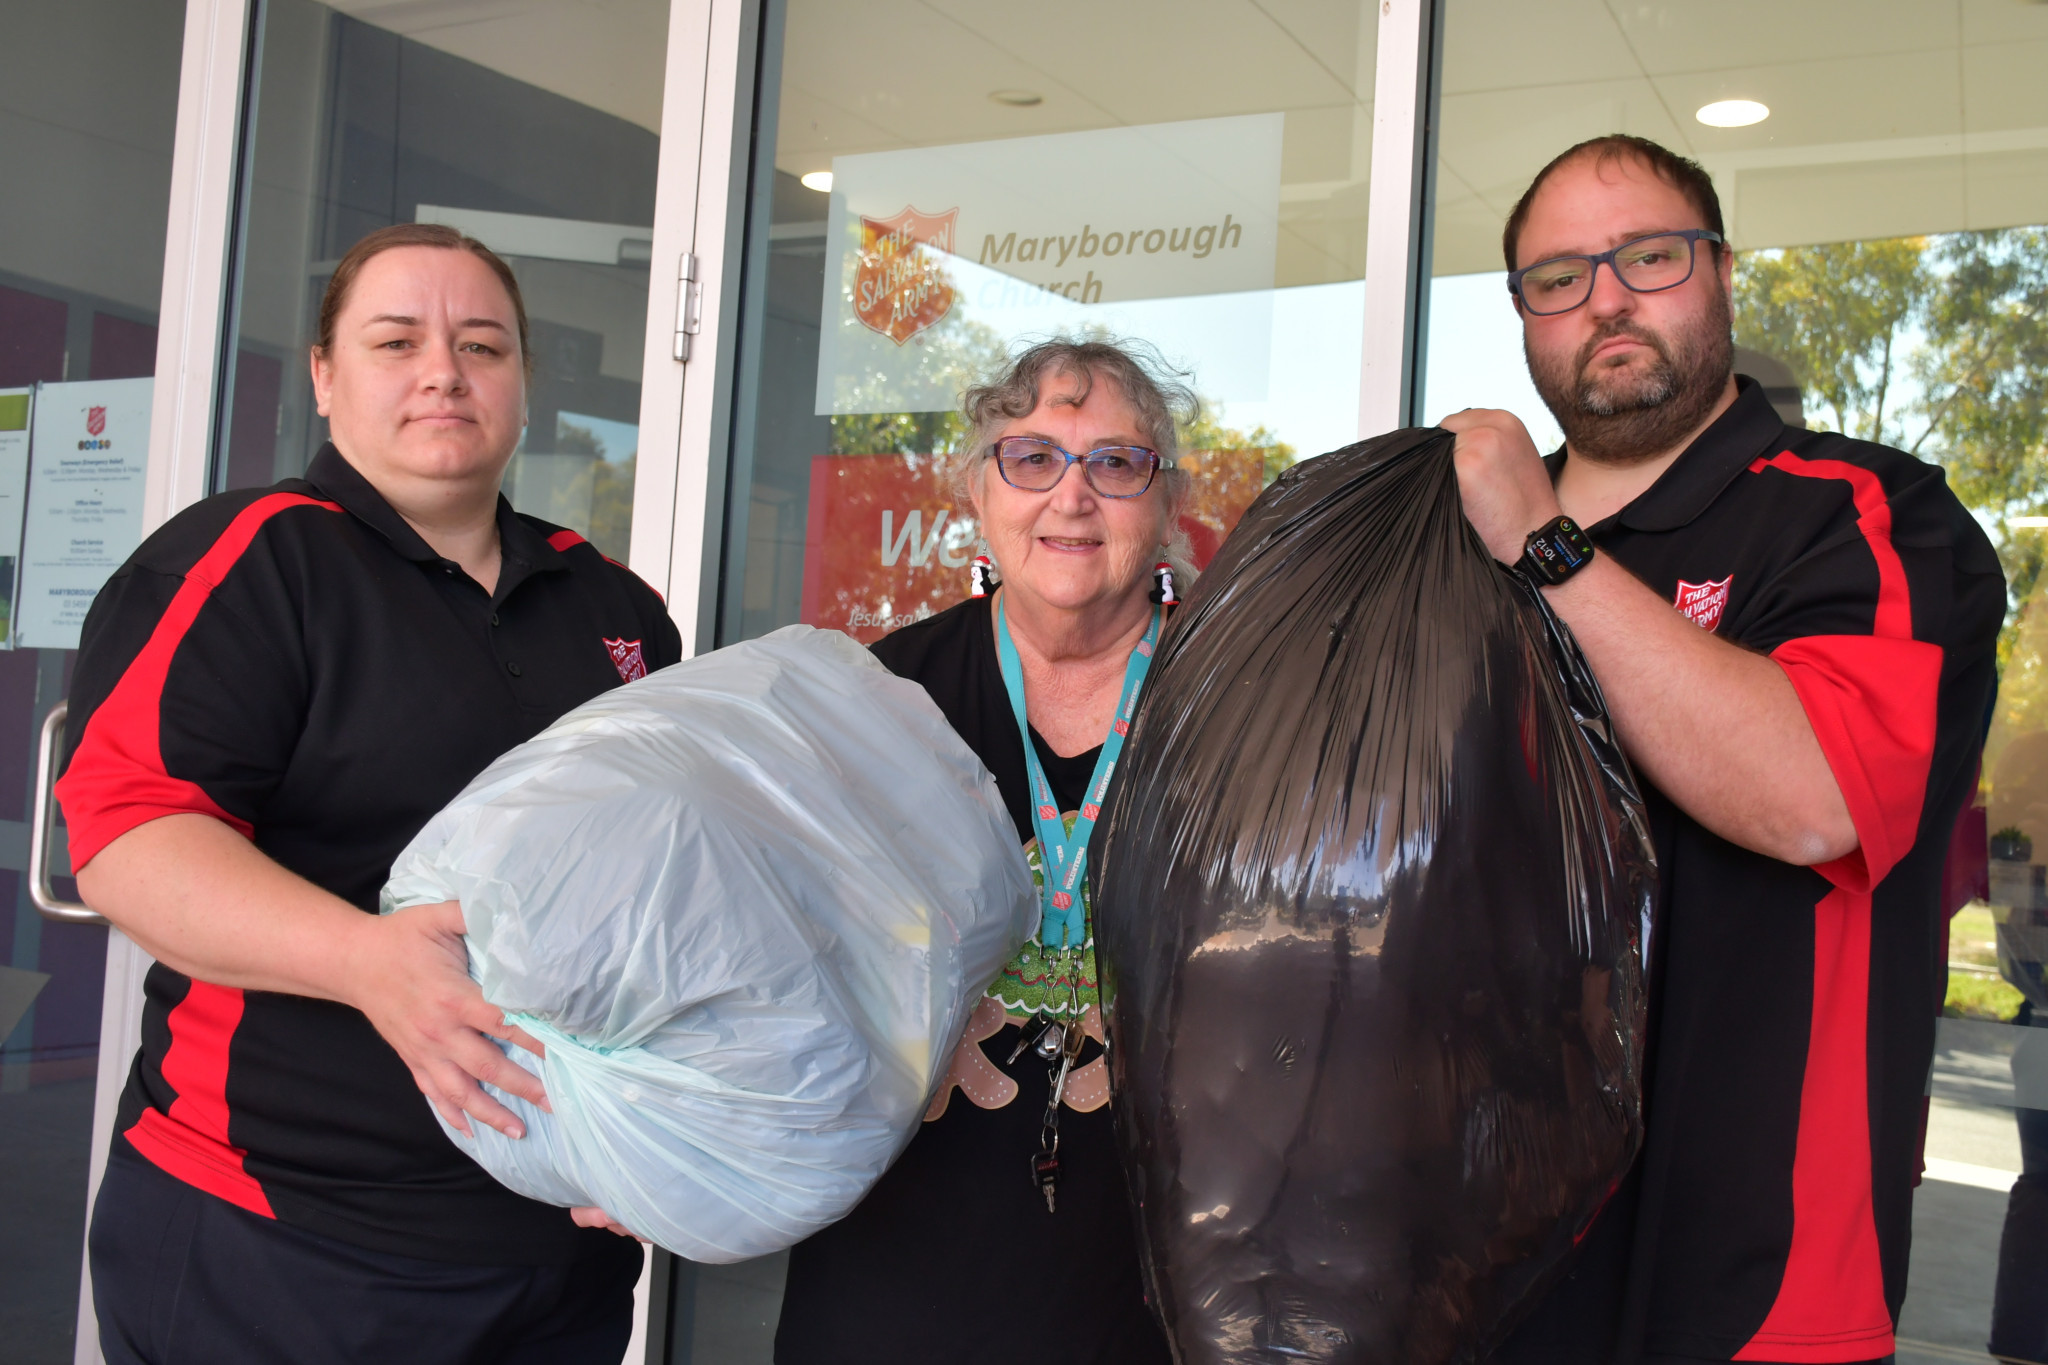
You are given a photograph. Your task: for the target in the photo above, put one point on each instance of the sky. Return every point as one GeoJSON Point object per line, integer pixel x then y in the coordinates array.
{"type": "Point", "coordinates": [1475, 355]}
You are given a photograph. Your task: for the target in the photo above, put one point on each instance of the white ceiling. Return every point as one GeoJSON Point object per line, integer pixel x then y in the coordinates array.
{"type": "Point", "coordinates": [885, 74]}
{"type": "Point", "coordinates": [1888, 117]}
{"type": "Point", "coordinates": [608, 54]}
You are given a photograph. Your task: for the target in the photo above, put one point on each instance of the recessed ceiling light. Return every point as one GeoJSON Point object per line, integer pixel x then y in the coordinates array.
{"type": "Point", "coordinates": [1732, 113]}
{"type": "Point", "coordinates": [1017, 99]}
{"type": "Point", "coordinates": [821, 181]}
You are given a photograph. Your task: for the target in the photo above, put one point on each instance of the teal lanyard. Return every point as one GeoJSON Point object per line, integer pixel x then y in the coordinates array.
{"type": "Point", "coordinates": [1061, 852]}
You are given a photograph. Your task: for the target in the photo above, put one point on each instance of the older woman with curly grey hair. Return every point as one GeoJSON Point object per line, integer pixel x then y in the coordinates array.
{"type": "Point", "coordinates": [1005, 1231]}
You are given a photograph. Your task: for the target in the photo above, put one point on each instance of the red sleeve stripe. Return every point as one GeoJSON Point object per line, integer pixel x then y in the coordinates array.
{"type": "Point", "coordinates": [564, 540]}
{"type": "Point", "coordinates": [1870, 698]}
{"type": "Point", "coordinates": [117, 778]}
{"type": "Point", "coordinates": [1871, 701]}
{"type": "Point", "coordinates": [1894, 616]}
{"type": "Point", "coordinates": [1830, 1305]}
{"type": "Point", "coordinates": [191, 1141]}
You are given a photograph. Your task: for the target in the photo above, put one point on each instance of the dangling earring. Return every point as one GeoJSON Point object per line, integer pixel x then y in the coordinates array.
{"type": "Point", "coordinates": [983, 575]}
{"type": "Point", "coordinates": [1162, 585]}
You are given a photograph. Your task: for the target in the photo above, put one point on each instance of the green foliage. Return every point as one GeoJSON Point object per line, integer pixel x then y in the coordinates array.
{"type": "Point", "coordinates": [924, 433]}
{"type": "Point", "coordinates": [1985, 371]}
{"type": "Point", "coordinates": [1971, 996]}
{"type": "Point", "coordinates": [898, 433]}
{"type": "Point", "coordinates": [611, 507]}
{"type": "Point", "coordinates": [1205, 433]}
{"type": "Point", "coordinates": [573, 438]}
{"type": "Point", "coordinates": [948, 358]}
{"type": "Point", "coordinates": [611, 490]}
{"type": "Point", "coordinates": [1965, 317]}
{"type": "Point", "coordinates": [1836, 314]}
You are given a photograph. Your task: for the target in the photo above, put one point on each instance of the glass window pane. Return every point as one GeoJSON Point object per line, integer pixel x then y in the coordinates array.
{"type": "Point", "coordinates": [1891, 160]}
{"type": "Point", "coordinates": [1194, 180]}
{"type": "Point", "coordinates": [88, 103]}
{"type": "Point", "coordinates": [934, 186]}
{"type": "Point", "coordinates": [534, 129]}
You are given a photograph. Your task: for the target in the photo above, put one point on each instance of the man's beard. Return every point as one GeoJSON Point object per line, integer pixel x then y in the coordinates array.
{"type": "Point", "coordinates": [1628, 414]}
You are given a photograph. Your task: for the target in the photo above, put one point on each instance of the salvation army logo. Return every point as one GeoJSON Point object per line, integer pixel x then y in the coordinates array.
{"type": "Point", "coordinates": [1703, 603]}
{"type": "Point", "coordinates": [95, 421]}
{"type": "Point", "coordinates": [898, 286]}
{"type": "Point", "coordinates": [627, 658]}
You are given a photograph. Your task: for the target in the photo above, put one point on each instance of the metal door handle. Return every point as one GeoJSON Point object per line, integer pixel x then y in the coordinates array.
{"type": "Point", "coordinates": [41, 826]}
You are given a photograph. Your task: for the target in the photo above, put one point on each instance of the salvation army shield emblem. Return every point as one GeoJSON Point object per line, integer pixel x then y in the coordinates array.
{"type": "Point", "coordinates": [95, 421]}
{"type": "Point", "coordinates": [899, 288]}
{"type": "Point", "coordinates": [1703, 603]}
{"type": "Point", "coordinates": [627, 658]}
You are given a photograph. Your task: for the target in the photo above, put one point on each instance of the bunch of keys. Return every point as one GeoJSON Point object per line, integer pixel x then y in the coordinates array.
{"type": "Point", "coordinates": [1066, 1043]}
{"type": "Point", "coordinates": [1046, 1039]}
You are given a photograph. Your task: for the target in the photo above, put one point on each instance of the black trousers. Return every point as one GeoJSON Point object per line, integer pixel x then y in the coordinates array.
{"type": "Point", "coordinates": [183, 1278]}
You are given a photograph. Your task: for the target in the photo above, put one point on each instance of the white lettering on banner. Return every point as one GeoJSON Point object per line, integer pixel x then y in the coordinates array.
{"type": "Point", "coordinates": [858, 617]}
{"type": "Point", "coordinates": [920, 547]}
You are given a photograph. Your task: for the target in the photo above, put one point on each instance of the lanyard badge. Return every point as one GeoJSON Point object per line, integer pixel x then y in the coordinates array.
{"type": "Point", "coordinates": [1062, 852]}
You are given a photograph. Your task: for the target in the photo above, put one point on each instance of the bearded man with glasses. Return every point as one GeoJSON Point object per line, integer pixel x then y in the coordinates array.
{"type": "Point", "coordinates": [1795, 634]}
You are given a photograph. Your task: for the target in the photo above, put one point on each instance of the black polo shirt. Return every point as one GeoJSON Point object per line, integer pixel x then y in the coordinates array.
{"type": "Point", "coordinates": [1792, 1009]}
{"type": "Point", "coordinates": [297, 663]}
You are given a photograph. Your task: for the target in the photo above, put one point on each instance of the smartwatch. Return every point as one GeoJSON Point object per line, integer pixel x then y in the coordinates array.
{"type": "Point", "coordinates": [1555, 551]}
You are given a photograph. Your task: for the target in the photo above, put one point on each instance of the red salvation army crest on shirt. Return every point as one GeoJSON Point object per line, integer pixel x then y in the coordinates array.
{"type": "Point", "coordinates": [1703, 603]}
{"type": "Point", "coordinates": [626, 657]}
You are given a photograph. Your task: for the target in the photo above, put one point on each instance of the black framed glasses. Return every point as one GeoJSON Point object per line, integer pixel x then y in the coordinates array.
{"type": "Point", "coordinates": [1037, 466]}
{"type": "Point", "coordinates": [1647, 265]}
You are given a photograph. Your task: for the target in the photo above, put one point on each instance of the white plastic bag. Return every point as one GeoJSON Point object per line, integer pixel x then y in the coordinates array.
{"type": "Point", "coordinates": [746, 903]}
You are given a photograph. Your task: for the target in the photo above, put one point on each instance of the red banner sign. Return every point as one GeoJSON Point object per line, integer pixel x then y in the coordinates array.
{"type": "Point", "coordinates": [886, 545]}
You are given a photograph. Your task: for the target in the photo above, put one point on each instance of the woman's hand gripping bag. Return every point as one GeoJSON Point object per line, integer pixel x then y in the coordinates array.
{"type": "Point", "coordinates": [746, 904]}
{"type": "Point", "coordinates": [1370, 887]}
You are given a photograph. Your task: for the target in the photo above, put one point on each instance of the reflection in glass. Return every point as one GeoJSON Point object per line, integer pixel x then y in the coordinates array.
{"type": "Point", "coordinates": [533, 129]}
{"type": "Point", "coordinates": [1201, 187]}
{"type": "Point", "coordinates": [88, 102]}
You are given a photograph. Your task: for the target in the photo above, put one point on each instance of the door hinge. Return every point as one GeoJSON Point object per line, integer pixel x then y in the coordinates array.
{"type": "Point", "coordinates": [689, 305]}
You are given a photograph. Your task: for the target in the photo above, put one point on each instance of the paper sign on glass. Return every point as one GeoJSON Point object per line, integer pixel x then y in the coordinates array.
{"type": "Point", "coordinates": [87, 458]}
{"type": "Point", "coordinates": [939, 259]}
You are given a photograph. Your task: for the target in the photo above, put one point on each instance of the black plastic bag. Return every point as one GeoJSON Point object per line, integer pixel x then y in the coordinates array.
{"type": "Point", "coordinates": [1369, 890]}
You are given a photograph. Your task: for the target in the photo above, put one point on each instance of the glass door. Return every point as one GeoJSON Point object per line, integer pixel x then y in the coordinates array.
{"type": "Point", "coordinates": [86, 165]}
{"type": "Point", "coordinates": [1195, 182]}
{"type": "Point", "coordinates": [933, 185]}
{"type": "Point", "coordinates": [536, 128]}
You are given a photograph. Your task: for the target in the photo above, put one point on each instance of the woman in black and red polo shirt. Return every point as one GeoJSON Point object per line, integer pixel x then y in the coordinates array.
{"type": "Point", "coordinates": [272, 695]}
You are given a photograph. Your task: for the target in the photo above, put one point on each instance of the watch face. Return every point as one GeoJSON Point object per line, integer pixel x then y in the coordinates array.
{"type": "Point", "coordinates": [1558, 551]}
